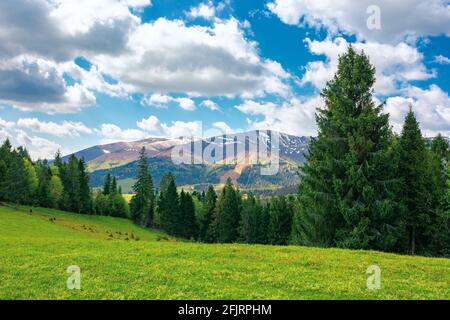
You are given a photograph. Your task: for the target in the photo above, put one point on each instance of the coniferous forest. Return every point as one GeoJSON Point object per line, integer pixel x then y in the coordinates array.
{"type": "Point", "coordinates": [362, 186]}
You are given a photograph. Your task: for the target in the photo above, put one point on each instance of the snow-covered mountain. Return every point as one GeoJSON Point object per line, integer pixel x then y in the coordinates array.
{"type": "Point", "coordinates": [210, 161]}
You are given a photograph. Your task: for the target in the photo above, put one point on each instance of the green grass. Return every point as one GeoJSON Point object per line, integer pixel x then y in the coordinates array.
{"type": "Point", "coordinates": [35, 251]}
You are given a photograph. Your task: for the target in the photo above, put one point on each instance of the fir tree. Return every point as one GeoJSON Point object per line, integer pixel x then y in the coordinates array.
{"type": "Point", "coordinates": [169, 208]}
{"type": "Point", "coordinates": [280, 221]}
{"type": "Point", "coordinates": [228, 210]}
{"type": "Point", "coordinates": [107, 185]}
{"type": "Point", "coordinates": [347, 189]}
{"type": "Point", "coordinates": [417, 185]}
{"type": "Point", "coordinates": [85, 205]}
{"type": "Point", "coordinates": [248, 229]}
{"type": "Point", "coordinates": [210, 199]}
{"type": "Point", "coordinates": [188, 224]}
{"type": "Point", "coordinates": [142, 203]}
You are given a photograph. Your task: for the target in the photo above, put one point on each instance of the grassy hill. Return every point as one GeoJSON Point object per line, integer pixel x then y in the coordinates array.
{"type": "Point", "coordinates": [37, 248]}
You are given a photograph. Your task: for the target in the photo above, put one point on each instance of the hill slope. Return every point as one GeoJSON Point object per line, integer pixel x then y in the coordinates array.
{"type": "Point", "coordinates": [35, 252]}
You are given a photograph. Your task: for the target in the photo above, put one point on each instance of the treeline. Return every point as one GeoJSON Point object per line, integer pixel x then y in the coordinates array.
{"type": "Point", "coordinates": [229, 216]}
{"type": "Point", "coordinates": [60, 185]}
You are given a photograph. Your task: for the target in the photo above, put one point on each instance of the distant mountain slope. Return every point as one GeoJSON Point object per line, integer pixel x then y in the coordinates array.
{"type": "Point", "coordinates": [241, 152]}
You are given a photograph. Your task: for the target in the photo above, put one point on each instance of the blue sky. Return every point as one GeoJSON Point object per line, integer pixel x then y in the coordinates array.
{"type": "Point", "coordinates": [80, 73]}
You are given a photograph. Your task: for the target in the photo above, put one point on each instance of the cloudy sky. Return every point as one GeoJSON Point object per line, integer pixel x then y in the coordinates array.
{"type": "Point", "coordinates": [74, 73]}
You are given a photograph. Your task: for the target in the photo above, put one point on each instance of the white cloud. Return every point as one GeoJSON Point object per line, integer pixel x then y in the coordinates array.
{"type": "Point", "coordinates": [112, 133]}
{"type": "Point", "coordinates": [223, 127]}
{"type": "Point", "coordinates": [38, 148]}
{"type": "Point", "coordinates": [400, 20]}
{"type": "Point", "coordinates": [138, 4]}
{"type": "Point", "coordinates": [296, 117]}
{"type": "Point", "coordinates": [6, 124]}
{"type": "Point", "coordinates": [203, 10]}
{"type": "Point", "coordinates": [441, 59]}
{"type": "Point", "coordinates": [34, 84]}
{"type": "Point", "coordinates": [167, 56]}
{"type": "Point", "coordinates": [176, 129]}
{"type": "Point", "coordinates": [186, 103]}
{"type": "Point", "coordinates": [66, 128]}
{"type": "Point", "coordinates": [431, 107]}
{"type": "Point", "coordinates": [210, 105]}
{"type": "Point", "coordinates": [395, 64]}
{"type": "Point", "coordinates": [163, 56]}
{"type": "Point", "coordinates": [162, 100]}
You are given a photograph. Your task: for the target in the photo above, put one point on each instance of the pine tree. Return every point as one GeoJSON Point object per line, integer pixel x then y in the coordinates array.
{"type": "Point", "coordinates": [248, 228]}
{"type": "Point", "coordinates": [16, 186]}
{"type": "Point", "coordinates": [5, 162]}
{"type": "Point", "coordinates": [142, 203]}
{"type": "Point", "coordinates": [228, 210]}
{"type": "Point", "coordinates": [347, 196]}
{"type": "Point", "coordinates": [107, 185]}
{"type": "Point", "coordinates": [114, 186]}
{"type": "Point", "coordinates": [263, 215]}
{"type": "Point", "coordinates": [71, 182]}
{"type": "Point", "coordinates": [280, 221]}
{"type": "Point", "coordinates": [169, 208]}
{"type": "Point", "coordinates": [85, 198]}
{"type": "Point", "coordinates": [210, 199]}
{"type": "Point", "coordinates": [44, 176]}
{"type": "Point", "coordinates": [415, 170]}
{"type": "Point", "coordinates": [441, 228]}
{"type": "Point", "coordinates": [418, 185]}
{"type": "Point", "coordinates": [188, 224]}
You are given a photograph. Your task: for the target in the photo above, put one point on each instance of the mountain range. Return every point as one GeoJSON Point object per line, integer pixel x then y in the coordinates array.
{"type": "Point", "coordinates": [239, 156]}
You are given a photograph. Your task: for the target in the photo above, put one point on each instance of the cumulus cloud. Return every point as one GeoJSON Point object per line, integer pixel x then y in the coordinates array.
{"type": "Point", "coordinates": [164, 56]}
{"type": "Point", "coordinates": [186, 103]}
{"type": "Point", "coordinates": [175, 129]}
{"type": "Point", "coordinates": [223, 127]}
{"type": "Point", "coordinates": [210, 105]}
{"type": "Point", "coordinates": [66, 128]}
{"type": "Point", "coordinates": [162, 100]}
{"type": "Point", "coordinates": [169, 56]}
{"type": "Point", "coordinates": [295, 116]}
{"type": "Point", "coordinates": [399, 20]}
{"type": "Point", "coordinates": [441, 59]}
{"type": "Point", "coordinates": [37, 84]}
{"type": "Point", "coordinates": [395, 64]}
{"type": "Point", "coordinates": [431, 106]}
{"type": "Point", "coordinates": [63, 29]}
{"type": "Point", "coordinates": [38, 148]}
{"type": "Point", "coordinates": [203, 10]}
{"type": "Point", "coordinates": [112, 133]}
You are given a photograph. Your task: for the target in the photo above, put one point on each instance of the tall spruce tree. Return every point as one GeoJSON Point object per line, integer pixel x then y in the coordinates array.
{"type": "Point", "coordinates": [85, 198]}
{"type": "Point", "coordinates": [169, 207]}
{"type": "Point", "coordinates": [71, 182]}
{"type": "Point", "coordinates": [441, 229]}
{"type": "Point", "coordinates": [228, 214]}
{"type": "Point", "coordinates": [209, 205]}
{"type": "Point", "coordinates": [263, 223]}
{"type": "Point", "coordinates": [188, 223]}
{"type": "Point", "coordinates": [142, 203]}
{"type": "Point", "coordinates": [280, 221]}
{"type": "Point", "coordinates": [16, 188]}
{"type": "Point", "coordinates": [347, 192]}
{"type": "Point", "coordinates": [107, 185]}
{"type": "Point", "coordinates": [248, 226]}
{"type": "Point", "coordinates": [418, 186]}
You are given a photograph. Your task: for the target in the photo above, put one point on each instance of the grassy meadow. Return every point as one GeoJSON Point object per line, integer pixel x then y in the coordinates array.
{"type": "Point", "coordinates": [119, 260]}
